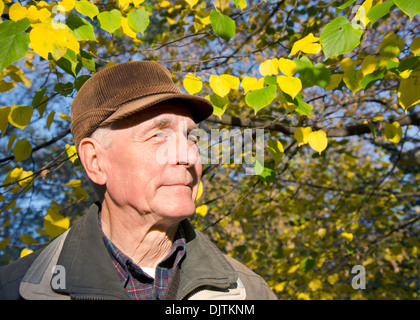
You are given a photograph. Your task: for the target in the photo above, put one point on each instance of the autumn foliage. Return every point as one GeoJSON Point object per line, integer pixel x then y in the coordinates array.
{"type": "Point", "coordinates": [335, 85]}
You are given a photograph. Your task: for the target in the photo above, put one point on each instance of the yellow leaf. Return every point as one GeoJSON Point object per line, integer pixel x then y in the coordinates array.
{"type": "Point", "coordinates": [335, 80]}
{"type": "Point", "coordinates": [318, 140]}
{"type": "Point", "coordinates": [192, 83]}
{"type": "Point", "coordinates": [353, 79]}
{"type": "Point", "coordinates": [361, 14]}
{"type": "Point", "coordinates": [232, 80]}
{"type": "Point", "coordinates": [17, 12]}
{"type": "Point", "coordinates": [33, 13]}
{"type": "Point", "coordinates": [269, 67]}
{"type": "Point", "coordinates": [308, 45]}
{"type": "Point", "coordinates": [25, 252]}
{"type": "Point", "coordinates": [223, 223]}
{"type": "Point", "coordinates": [200, 190]}
{"type": "Point", "coordinates": [393, 132]}
{"type": "Point", "coordinates": [280, 286]}
{"type": "Point", "coordinates": [201, 210]}
{"type": "Point", "coordinates": [1, 7]}
{"type": "Point", "coordinates": [123, 4]}
{"type": "Point", "coordinates": [74, 183]}
{"type": "Point", "coordinates": [250, 83]}
{"type": "Point", "coordinates": [287, 66]}
{"type": "Point", "coordinates": [293, 268]}
{"type": "Point", "coordinates": [25, 178]}
{"type": "Point", "coordinates": [332, 279]}
{"type": "Point", "coordinates": [127, 29]}
{"type": "Point", "coordinates": [347, 64]}
{"type": "Point", "coordinates": [164, 4]}
{"type": "Point", "coordinates": [369, 64]}
{"type": "Point", "coordinates": [303, 296]}
{"type": "Point", "coordinates": [44, 14]}
{"type": "Point", "coordinates": [301, 135]}
{"type": "Point", "coordinates": [54, 223]}
{"type": "Point", "coordinates": [409, 91]}
{"type": "Point", "coordinates": [322, 232]}
{"type": "Point", "coordinates": [415, 46]}
{"type": "Point", "coordinates": [289, 85]}
{"type": "Point", "coordinates": [71, 153]}
{"type": "Point", "coordinates": [315, 285]}
{"type": "Point", "coordinates": [348, 236]}
{"type": "Point", "coordinates": [68, 4]}
{"type": "Point", "coordinates": [44, 39]}
{"type": "Point", "coordinates": [220, 86]}
{"type": "Point", "coordinates": [192, 3]}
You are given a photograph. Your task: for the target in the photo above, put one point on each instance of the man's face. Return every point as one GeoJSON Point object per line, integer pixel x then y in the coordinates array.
{"type": "Point", "coordinates": [153, 165]}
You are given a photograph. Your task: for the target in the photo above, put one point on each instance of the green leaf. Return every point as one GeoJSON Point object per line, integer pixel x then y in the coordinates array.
{"type": "Point", "coordinates": [222, 25]}
{"type": "Point", "coordinates": [87, 60]}
{"type": "Point", "coordinates": [275, 148]}
{"type": "Point", "coordinates": [311, 75]}
{"type": "Point", "coordinates": [22, 150]}
{"type": "Point", "coordinates": [110, 20]}
{"type": "Point", "coordinates": [307, 264]}
{"type": "Point", "coordinates": [4, 119]}
{"type": "Point", "coordinates": [371, 78]}
{"type": "Point", "coordinates": [379, 10]}
{"type": "Point", "coordinates": [303, 107]}
{"type": "Point", "coordinates": [219, 104]}
{"type": "Point", "coordinates": [50, 119]}
{"type": "Point", "coordinates": [265, 172]}
{"type": "Point", "coordinates": [20, 116]}
{"type": "Point", "coordinates": [39, 102]}
{"type": "Point", "coordinates": [261, 98]}
{"type": "Point", "coordinates": [69, 63]}
{"type": "Point", "coordinates": [138, 20]}
{"type": "Point", "coordinates": [409, 7]}
{"type": "Point", "coordinates": [87, 8]}
{"type": "Point", "coordinates": [340, 37]}
{"type": "Point", "coordinates": [344, 6]}
{"type": "Point", "coordinates": [80, 28]}
{"type": "Point", "coordinates": [13, 43]}
{"type": "Point", "coordinates": [78, 83]}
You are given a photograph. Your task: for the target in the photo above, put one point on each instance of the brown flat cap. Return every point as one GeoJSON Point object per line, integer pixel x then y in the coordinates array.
{"type": "Point", "coordinates": [117, 92]}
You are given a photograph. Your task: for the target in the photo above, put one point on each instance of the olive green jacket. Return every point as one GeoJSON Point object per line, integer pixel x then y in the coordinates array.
{"type": "Point", "coordinates": [77, 265]}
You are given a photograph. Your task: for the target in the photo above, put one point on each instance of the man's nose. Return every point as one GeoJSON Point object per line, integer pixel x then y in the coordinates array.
{"type": "Point", "coordinates": [187, 152]}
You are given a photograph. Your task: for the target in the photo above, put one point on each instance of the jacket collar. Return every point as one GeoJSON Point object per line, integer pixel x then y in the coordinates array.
{"type": "Point", "coordinates": [90, 273]}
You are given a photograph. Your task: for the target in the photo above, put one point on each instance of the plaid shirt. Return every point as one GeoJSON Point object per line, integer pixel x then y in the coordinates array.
{"type": "Point", "coordinates": [138, 284]}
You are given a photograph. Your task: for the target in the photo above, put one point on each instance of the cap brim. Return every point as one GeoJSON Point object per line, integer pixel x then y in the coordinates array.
{"type": "Point", "coordinates": [199, 107]}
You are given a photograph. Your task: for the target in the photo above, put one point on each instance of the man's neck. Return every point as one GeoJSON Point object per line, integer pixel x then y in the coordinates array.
{"type": "Point", "coordinates": [137, 237]}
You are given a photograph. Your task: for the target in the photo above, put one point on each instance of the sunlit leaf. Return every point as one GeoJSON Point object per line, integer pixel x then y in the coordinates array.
{"type": "Point", "coordinates": [219, 104]}
{"type": "Point", "coordinates": [275, 148]}
{"type": "Point", "coordinates": [301, 135]}
{"type": "Point", "coordinates": [54, 223]}
{"type": "Point", "coordinates": [251, 83]}
{"type": "Point", "coordinates": [309, 44]}
{"type": "Point", "coordinates": [219, 85]}
{"type": "Point", "coordinates": [138, 20]}
{"type": "Point", "coordinates": [318, 140]}
{"type": "Point", "coordinates": [192, 83]}
{"type": "Point", "coordinates": [201, 210]}
{"type": "Point", "coordinates": [222, 25]}
{"type": "Point", "coordinates": [339, 37]}
{"type": "Point", "coordinates": [287, 67]}
{"type": "Point", "coordinates": [110, 20]}
{"type": "Point", "coordinates": [289, 85]}
{"type": "Point", "coordinates": [409, 7]}
{"type": "Point", "coordinates": [269, 67]}
{"type": "Point", "coordinates": [261, 98]}
{"type": "Point", "coordinates": [409, 91]}
{"type": "Point", "coordinates": [25, 252]}
{"type": "Point", "coordinates": [87, 8]}
{"type": "Point", "coordinates": [13, 42]}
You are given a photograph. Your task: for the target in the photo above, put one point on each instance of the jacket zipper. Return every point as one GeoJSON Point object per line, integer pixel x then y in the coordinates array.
{"type": "Point", "coordinates": [192, 293]}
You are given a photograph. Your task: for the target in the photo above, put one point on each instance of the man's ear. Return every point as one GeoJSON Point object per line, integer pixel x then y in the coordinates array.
{"type": "Point", "coordinates": [91, 155]}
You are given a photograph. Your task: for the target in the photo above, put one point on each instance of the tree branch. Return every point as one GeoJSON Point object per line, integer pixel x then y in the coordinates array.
{"type": "Point", "coordinates": [352, 130]}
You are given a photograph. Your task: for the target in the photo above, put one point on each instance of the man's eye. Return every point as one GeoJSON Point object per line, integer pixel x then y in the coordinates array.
{"type": "Point", "coordinates": [192, 138]}
{"type": "Point", "coordinates": [161, 136]}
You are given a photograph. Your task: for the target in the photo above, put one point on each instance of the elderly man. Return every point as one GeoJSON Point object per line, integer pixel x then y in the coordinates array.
{"type": "Point", "coordinates": [136, 242]}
